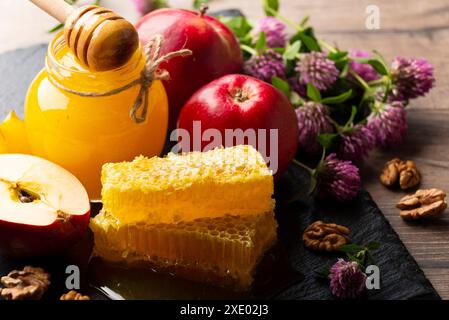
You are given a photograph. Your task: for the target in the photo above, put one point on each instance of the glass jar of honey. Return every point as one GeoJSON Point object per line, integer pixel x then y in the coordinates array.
{"type": "Point", "coordinates": [82, 133]}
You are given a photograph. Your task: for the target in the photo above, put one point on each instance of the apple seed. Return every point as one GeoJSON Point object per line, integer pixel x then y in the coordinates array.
{"type": "Point", "coordinates": [26, 196]}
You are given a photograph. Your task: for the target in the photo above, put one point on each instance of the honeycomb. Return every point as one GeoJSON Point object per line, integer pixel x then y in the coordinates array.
{"type": "Point", "coordinates": [223, 251]}
{"type": "Point", "coordinates": [186, 187]}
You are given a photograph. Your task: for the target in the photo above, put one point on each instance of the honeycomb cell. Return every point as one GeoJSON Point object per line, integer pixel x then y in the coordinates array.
{"type": "Point", "coordinates": [190, 249]}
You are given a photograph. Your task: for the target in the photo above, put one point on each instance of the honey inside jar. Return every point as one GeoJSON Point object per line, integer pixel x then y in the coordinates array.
{"type": "Point", "coordinates": [82, 133]}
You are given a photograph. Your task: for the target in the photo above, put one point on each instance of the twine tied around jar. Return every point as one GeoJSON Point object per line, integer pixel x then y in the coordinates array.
{"type": "Point", "coordinates": [150, 72]}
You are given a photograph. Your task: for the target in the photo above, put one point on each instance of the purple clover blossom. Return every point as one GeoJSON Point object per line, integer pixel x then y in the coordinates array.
{"type": "Point", "coordinates": [347, 280]}
{"type": "Point", "coordinates": [313, 120]}
{"type": "Point", "coordinates": [274, 31]}
{"type": "Point", "coordinates": [142, 6]}
{"type": "Point", "coordinates": [412, 78]}
{"type": "Point", "coordinates": [357, 143]}
{"type": "Point", "coordinates": [389, 124]}
{"type": "Point", "coordinates": [265, 66]}
{"type": "Point", "coordinates": [337, 178]}
{"type": "Point", "coordinates": [364, 70]}
{"type": "Point", "coordinates": [296, 86]}
{"type": "Point", "coordinates": [317, 69]}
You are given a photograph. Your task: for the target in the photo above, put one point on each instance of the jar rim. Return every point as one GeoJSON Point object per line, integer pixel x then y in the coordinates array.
{"type": "Point", "coordinates": [53, 65]}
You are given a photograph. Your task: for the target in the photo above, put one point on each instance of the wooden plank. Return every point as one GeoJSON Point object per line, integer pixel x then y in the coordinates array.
{"type": "Point", "coordinates": [439, 278]}
{"type": "Point", "coordinates": [426, 144]}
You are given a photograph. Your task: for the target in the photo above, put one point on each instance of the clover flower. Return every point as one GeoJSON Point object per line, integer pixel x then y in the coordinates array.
{"type": "Point", "coordinates": [364, 70]}
{"type": "Point", "coordinates": [347, 280]}
{"type": "Point", "coordinates": [337, 178]}
{"type": "Point", "coordinates": [412, 78]}
{"type": "Point", "coordinates": [274, 31]}
{"type": "Point", "coordinates": [389, 125]}
{"type": "Point", "coordinates": [317, 69]}
{"type": "Point", "coordinates": [357, 143]}
{"type": "Point", "coordinates": [265, 66]}
{"type": "Point", "coordinates": [313, 120]}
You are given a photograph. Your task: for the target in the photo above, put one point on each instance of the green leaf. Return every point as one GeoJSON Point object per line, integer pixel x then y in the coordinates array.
{"type": "Point", "coordinates": [56, 28]}
{"type": "Point", "coordinates": [379, 66]}
{"type": "Point", "coordinates": [279, 50]}
{"type": "Point", "coordinates": [197, 3]}
{"type": "Point", "coordinates": [323, 274]}
{"type": "Point", "coordinates": [310, 42]}
{"type": "Point", "coordinates": [292, 50]}
{"type": "Point", "coordinates": [338, 55]}
{"type": "Point", "coordinates": [304, 21]}
{"type": "Point", "coordinates": [313, 93]}
{"type": "Point", "coordinates": [281, 85]}
{"type": "Point", "coordinates": [344, 69]}
{"type": "Point", "coordinates": [307, 38]}
{"type": "Point", "coordinates": [271, 7]}
{"type": "Point", "coordinates": [239, 25]}
{"type": "Point", "coordinates": [371, 259]}
{"type": "Point", "coordinates": [351, 249]}
{"type": "Point", "coordinates": [373, 245]}
{"type": "Point", "coordinates": [327, 139]}
{"type": "Point", "coordinates": [295, 99]}
{"type": "Point", "coordinates": [338, 99]}
{"type": "Point", "coordinates": [260, 44]}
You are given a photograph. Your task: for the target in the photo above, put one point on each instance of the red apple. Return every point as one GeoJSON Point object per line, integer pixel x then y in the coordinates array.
{"type": "Point", "coordinates": [44, 209]}
{"type": "Point", "coordinates": [242, 102]}
{"type": "Point", "coordinates": [216, 51]}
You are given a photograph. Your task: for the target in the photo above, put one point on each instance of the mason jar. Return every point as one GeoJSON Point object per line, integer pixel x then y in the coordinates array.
{"type": "Point", "coordinates": [82, 133]}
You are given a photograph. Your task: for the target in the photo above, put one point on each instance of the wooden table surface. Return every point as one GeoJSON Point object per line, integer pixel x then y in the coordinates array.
{"type": "Point", "coordinates": [407, 27]}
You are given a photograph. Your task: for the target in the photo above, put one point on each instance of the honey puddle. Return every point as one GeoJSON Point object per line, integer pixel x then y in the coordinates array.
{"type": "Point", "coordinates": [273, 275]}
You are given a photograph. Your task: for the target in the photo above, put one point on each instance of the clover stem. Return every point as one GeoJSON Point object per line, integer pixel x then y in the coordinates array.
{"type": "Point", "coordinates": [327, 45]}
{"type": "Point", "coordinates": [299, 28]}
{"type": "Point", "coordinates": [360, 80]}
{"type": "Point", "coordinates": [302, 165]}
{"type": "Point", "coordinates": [248, 49]}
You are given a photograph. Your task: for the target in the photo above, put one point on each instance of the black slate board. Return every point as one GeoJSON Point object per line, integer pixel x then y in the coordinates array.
{"type": "Point", "coordinates": [401, 277]}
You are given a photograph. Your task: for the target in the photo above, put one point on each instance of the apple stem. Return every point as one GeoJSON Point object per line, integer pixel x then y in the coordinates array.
{"type": "Point", "coordinates": [203, 9]}
{"type": "Point", "coordinates": [239, 95]}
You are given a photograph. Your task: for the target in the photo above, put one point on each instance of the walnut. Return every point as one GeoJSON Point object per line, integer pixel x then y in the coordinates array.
{"type": "Point", "coordinates": [425, 203]}
{"type": "Point", "coordinates": [322, 236]}
{"type": "Point", "coordinates": [28, 284]}
{"type": "Point", "coordinates": [397, 171]}
{"type": "Point", "coordinates": [73, 295]}
{"type": "Point", "coordinates": [409, 175]}
{"type": "Point", "coordinates": [390, 172]}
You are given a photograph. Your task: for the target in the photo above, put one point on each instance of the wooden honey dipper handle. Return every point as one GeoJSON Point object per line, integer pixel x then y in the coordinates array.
{"type": "Point", "coordinates": [58, 9]}
{"type": "Point", "coordinates": [100, 39]}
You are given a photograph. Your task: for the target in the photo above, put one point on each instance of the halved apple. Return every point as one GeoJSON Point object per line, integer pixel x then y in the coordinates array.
{"type": "Point", "coordinates": [44, 209]}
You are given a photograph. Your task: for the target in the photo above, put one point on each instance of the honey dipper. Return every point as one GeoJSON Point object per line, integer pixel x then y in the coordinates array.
{"type": "Point", "coordinates": [98, 37]}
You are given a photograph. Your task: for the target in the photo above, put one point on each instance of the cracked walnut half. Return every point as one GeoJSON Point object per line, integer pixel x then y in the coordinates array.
{"type": "Point", "coordinates": [404, 173]}
{"type": "Point", "coordinates": [424, 203]}
{"type": "Point", "coordinates": [28, 284]}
